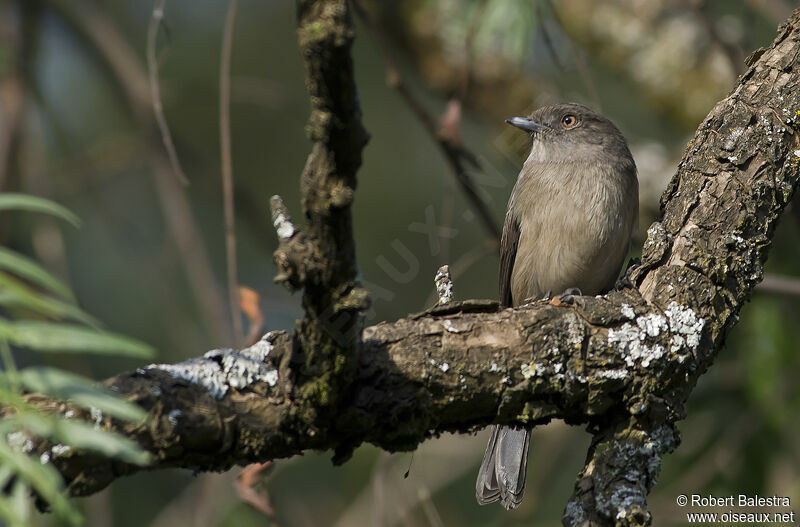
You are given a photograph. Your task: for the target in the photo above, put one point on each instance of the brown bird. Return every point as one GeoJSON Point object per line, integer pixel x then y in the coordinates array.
{"type": "Point", "coordinates": [568, 228]}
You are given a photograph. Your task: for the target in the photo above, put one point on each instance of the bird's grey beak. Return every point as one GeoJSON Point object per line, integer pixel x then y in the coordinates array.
{"type": "Point", "coordinates": [523, 123]}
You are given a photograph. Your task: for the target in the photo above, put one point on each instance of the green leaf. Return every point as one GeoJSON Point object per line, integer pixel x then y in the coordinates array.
{"type": "Point", "coordinates": [84, 436]}
{"type": "Point", "coordinates": [12, 201]}
{"type": "Point", "coordinates": [24, 267]}
{"type": "Point", "coordinates": [48, 336]}
{"type": "Point", "coordinates": [20, 500]}
{"type": "Point", "coordinates": [14, 293]}
{"type": "Point", "coordinates": [10, 510]}
{"type": "Point", "coordinates": [44, 479]}
{"type": "Point", "coordinates": [81, 391]}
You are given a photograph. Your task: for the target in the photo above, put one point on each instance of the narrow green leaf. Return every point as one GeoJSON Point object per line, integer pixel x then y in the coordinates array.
{"type": "Point", "coordinates": [9, 513]}
{"type": "Point", "coordinates": [48, 336]}
{"type": "Point", "coordinates": [44, 479]}
{"type": "Point", "coordinates": [46, 306]}
{"type": "Point", "coordinates": [24, 267]}
{"type": "Point", "coordinates": [14, 293]}
{"type": "Point", "coordinates": [13, 201]}
{"type": "Point", "coordinates": [84, 436]}
{"type": "Point", "coordinates": [80, 391]}
{"type": "Point", "coordinates": [21, 502]}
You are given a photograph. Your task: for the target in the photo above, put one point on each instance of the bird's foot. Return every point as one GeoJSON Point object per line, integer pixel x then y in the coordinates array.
{"type": "Point", "coordinates": [566, 297]}
{"type": "Point", "coordinates": [625, 281]}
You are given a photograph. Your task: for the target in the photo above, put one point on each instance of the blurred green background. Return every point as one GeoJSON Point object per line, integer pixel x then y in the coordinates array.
{"type": "Point", "coordinates": [149, 260]}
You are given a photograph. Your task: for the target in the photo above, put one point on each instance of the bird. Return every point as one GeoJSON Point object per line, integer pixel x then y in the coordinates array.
{"type": "Point", "coordinates": [567, 228]}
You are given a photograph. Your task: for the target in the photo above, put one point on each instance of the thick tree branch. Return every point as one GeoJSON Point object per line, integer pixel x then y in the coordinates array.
{"type": "Point", "coordinates": [624, 363]}
{"type": "Point", "coordinates": [328, 338]}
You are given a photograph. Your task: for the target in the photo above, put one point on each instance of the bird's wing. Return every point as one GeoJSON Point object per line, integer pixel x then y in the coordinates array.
{"type": "Point", "coordinates": [508, 252]}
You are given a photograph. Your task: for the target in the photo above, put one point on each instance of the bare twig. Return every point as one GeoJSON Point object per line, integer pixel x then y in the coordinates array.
{"type": "Point", "coordinates": [733, 52]}
{"type": "Point", "coordinates": [227, 169]}
{"type": "Point", "coordinates": [780, 284]}
{"type": "Point", "coordinates": [583, 69]}
{"type": "Point", "coordinates": [12, 96]}
{"type": "Point", "coordinates": [125, 68]}
{"type": "Point", "coordinates": [777, 10]}
{"type": "Point", "coordinates": [469, 51]}
{"type": "Point", "coordinates": [454, 153]}
{"type": "Point", "coordinates": [460, 266]}
{"type": "Point", "coordinates": [429, 508]}
{"type": "Point", "coordinates": [444, 285]}
{"type": "Point", "coordinates": [155, 90]}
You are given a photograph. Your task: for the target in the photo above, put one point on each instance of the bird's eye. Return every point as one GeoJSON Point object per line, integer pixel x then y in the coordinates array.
{"type": "Point", "coordinates": [569, 121]}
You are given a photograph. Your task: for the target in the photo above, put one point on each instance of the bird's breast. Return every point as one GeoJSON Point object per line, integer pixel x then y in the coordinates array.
{"type": "Point", "coordinates": [575, 229]}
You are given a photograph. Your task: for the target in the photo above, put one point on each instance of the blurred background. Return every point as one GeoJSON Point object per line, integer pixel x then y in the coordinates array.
{"type": "Point", "coordinates": [77, 126]}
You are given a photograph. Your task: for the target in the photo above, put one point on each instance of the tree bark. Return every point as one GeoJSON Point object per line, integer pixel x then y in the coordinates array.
{"type": "Point", "coordinates": [624, 363]}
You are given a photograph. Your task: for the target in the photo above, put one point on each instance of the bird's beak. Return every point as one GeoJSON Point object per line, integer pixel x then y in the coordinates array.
{"type": "Point", "coordinates": [523, 123]}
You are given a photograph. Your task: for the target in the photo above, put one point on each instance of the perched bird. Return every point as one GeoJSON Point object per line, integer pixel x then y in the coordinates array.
{"type": "Point", "coordinates": [568, 226]}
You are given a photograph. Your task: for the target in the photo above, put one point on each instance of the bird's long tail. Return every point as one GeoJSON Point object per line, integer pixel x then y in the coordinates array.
{"type": "Point", "coordinates": [502, 473]}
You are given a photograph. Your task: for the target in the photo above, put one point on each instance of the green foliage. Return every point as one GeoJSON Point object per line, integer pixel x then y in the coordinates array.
{"type": "Point", "coordinates": [504, 29]}
{"type": "Point", "coordinates": [12, 201]}
{"type": "Point", "coordinates": [49, 336]}
{"type": "Point", "coordinates": [38, 312]}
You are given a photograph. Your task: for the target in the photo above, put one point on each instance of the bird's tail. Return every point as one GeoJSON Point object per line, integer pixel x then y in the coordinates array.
{"type": "Point", "coordinates": [502, 473]}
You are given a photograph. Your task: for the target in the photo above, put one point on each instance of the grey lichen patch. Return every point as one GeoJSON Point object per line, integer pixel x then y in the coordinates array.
{"type": "Point", "coordinates": [19, 441]}
{"type": "Point", "coordinates": [444, 367]}
{"type": "Point", "coordinates": [173, 416]}
{"type": "Point", "coordinates": [613, 374]}
{"type": "Point", "coordinates": [686, 327]}
{"type": "Point", "coordinates": [628, 312]}
{"type": "Point", "coordinates": [280, 218]}
{"type": "Point", "coordinates": [60, 450]}
{"type": "Point", "coordinates": [97, 417]}
{"type": "Point", "coordinates": [656, 244]}
{"type": "Point", "coordinates": [641, 343]}
{"type": "Point", "coordinates": [730, 141]}
{"type": "Point", "coordinates": [632, 340]}
{"type": "Point", "coordinates": [574, 514]}
{"type": "Point", "coordinates": [635, 459]}
{"type": "Point", "coordinates": [575, 332]}
{"type": "Point", "coordinates": [532, 370]}
{"type": "Point", "coordinates": [219, 370]}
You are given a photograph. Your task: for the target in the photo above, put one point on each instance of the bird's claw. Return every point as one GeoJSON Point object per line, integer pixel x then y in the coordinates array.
{"type": "Point", "coordinates": [625, 281]}
{"type": "Point", "coordinates": [565, 298]}
{"type": "Point", "coordinates": [569, 294]}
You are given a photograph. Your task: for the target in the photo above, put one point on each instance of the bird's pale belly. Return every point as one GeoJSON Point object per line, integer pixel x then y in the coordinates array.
{"type": "Point", "coordinates": [587, 259]}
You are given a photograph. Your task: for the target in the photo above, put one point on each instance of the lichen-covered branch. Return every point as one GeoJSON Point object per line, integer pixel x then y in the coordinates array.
{"type": "Point", "coordinates": [624, 363]}
{"type": "Point", "coordinates": [319, 257]}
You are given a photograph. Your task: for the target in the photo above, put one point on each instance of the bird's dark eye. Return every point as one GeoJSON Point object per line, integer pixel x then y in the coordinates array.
{"type": "Point", "coordinates": [569, 121]}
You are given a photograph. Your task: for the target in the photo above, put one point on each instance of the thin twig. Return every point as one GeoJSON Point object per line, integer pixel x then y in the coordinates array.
{"type": "Point", "coordinates": [428, 507]}
{"type": "Point", "coordinates": [784, 285]}
{"type": "Point", "coordinates": [776, 10]}
{"type": "Point", "coordinates": [12, 98]}
{"type": "Point", "coordinates": [583, 69]}
{"type": "Point", "coordinates": [453, 152]}
{"type": "Point", "coordinates": [116, 55]}
{"type": "Point", "coordinates": [733, 52]}
{"type": "Point", "coordinates": [450, 123]}
{"type": "Point", "coordinates": [227, 168]}
{"type": "Point", "coordinates": [548, 42]}
{"type": "Point", "coordinates": [469, 52]}
{"type": "Point", "coordinates": [155, 90]}
{"type": "Point", "coordinates": [461, 265]}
